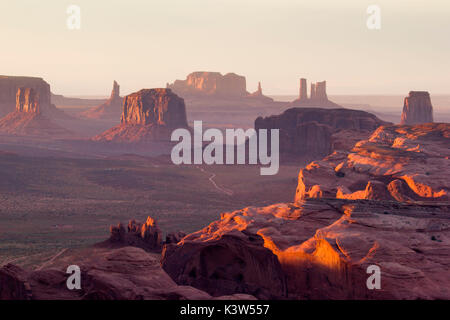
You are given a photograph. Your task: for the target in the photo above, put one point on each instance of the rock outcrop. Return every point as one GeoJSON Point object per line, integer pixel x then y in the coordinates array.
{"type": "Point", "coordinates": [324, 247]}
{"type": "Point", "coordinates": [397, 163]}
{"type": "Point", "coordinates": [316, 132]}
{"type": "Point", "coordinates": [417, 108]}
{"type": "Point", "coordinates": [9, 86]}
{"type": "Point", "coordinates": [148, 115]}
{"type": "Point", "coordinates": [318, 96]}
{"type": "Point", "coordinates": [111, 109]}
{"type": "Point", "coordinates": [126, 273]}
{"type": "Point", "coordinates": [30, 118]}
{"type": "Point", "coordinates": [224, 265]}
{"type": "Point", "coordinates": [146, 235]}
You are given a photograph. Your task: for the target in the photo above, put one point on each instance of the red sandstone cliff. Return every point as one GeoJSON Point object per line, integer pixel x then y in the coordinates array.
{"type": "Point", "coordinates": [417, 108]}
{"type": "Point", "coordinates": [148, 115]}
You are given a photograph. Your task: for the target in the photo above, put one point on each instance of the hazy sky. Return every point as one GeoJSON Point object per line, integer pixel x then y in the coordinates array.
{"type": "Point", "coordinates": [144, 44]}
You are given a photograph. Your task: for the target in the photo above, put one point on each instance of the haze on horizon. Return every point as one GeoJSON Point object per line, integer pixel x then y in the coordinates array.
{"type": "Point", "coordinates": [149, 43]}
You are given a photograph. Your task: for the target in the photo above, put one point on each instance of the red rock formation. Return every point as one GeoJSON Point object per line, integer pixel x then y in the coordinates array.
{"type": "Point", "coordinates": [315, 132]}
{"type": "Point", "coordinates": [225, 265]}
{"type": "Point", "coordinates": [324, 247]}
{"type": "Point", "coordinates": [30, 117]}
{"type": "Point", "coordinates": [148, 115]}
{"type": "Point", "coordinates": [318, 96]}
{"type": "Point", "coordinates": [417, 108]}
{"type": "Point", "coordinates": [210, 83]}
{"type": "Point", "coordinates": [405, 163]}
{"type": "Point", "coordinates": [303, 95]}
{"type": "Point", "coordinates": [126, 273]}
{"type": "Point", "coordinates": [111, 109]}
{"type": "Point", "coordinates": [9, 86]}
{"type": "Point", "coordinates": [146, 235]}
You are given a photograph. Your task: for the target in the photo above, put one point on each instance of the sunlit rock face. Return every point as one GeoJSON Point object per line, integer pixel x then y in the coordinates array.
{"type": "Point", "coordinates": [148, 115]}
{"type": "Point", "coordinates": [324, 247]}
{"type": "Point", "coordinates": [9, 86]}
{"type": "Point", "coordinates": [316, 132]}
{"type": "Point", "coordinates": [417, 108]}
{"type": "Point", "coordinates": [27, 100]}
{"type": "Point", "coordinates": [210, 84]}
{"type": "Point", "coordinates": [111, 109]}
{"type": "Point", "coordinates": [401, 163]}
{"type": "Point", "coordinates": [154, 106]}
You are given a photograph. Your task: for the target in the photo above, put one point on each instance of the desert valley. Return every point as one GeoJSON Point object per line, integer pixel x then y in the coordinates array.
{"type": "Point", "coordinates": [353, 190]}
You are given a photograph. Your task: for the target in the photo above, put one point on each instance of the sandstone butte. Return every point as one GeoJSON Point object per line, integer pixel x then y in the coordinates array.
{"type": "Point", "coordinates": [111, 109]}
{"type": "Point", "coordinates": [148, 115]}
{"type": "Point", "coordinates": [316, 132]}
{"type": "Point", "coordinates": [417, 108]}
{"type": "Point", "coordinates": [318, 96]}
{"type": "Point", "coordinates": [32, 115]}
{"type": "Point", "coordinates": [203, 84]}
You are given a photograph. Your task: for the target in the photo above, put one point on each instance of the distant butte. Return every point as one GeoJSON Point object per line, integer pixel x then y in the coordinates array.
{"type": "Point", "coordinates": [148, 115]}
{"type": "Point", "coordinates": [111, 109]}
{"type": "Point", "coordinates": [417, 108]}
{"type": "Point", "coordinates": [318, 96]}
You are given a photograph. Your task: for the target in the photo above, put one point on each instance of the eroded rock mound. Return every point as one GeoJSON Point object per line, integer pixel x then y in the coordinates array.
{"type": "Point", "coordinates": [111, 109]}
{"type": "Point", "coordinates": [126, 273]}
{"type": "Point", "coordinates": [225, 264]}
{"type": "Point", "coordinates": [324, 247]}
{"type": "Point", "coordinates": [417, 108]}
{"type": "Point", "coordinates": [146, 235]}
{"type": "Point", "coordinates": [316, 132]}
{"type": "Point", "coordinates": [318, 96]}
{"type": "Point", "coordinates": [402, 163]}
{"type": "Point", "coordinates": [148, 115]}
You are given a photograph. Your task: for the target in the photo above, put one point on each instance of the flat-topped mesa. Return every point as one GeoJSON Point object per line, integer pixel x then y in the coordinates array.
{"type": "Point", "coordinates": [27, 100]}
{"type": "Point", "coordinates": [8, 91]}
{"type": "Point", "coordinates": [154, 106]}
{"type": "Point", "coordinates": [417, 108]}
{"type": "Point", "coordinates": [210, 83]}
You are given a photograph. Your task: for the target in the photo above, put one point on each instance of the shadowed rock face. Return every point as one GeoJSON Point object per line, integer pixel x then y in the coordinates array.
{"type": "Point", "coordinates": [316, 131]}
{"type": "Point", "coordinates": [417, 108]}
{"type": "Point", "coordinates": [210, 83]}
{"type": "Point", "coordinates": [225, 265]}
{"type": "Point", "coordinates": [148, 115]}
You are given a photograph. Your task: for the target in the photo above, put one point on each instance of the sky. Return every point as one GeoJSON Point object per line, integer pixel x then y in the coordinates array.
{"type": "Point", "coordinates": [147, 43]}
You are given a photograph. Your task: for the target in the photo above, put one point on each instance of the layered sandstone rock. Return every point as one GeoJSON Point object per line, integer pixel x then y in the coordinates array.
{"type": "Point", "coordinates": [324, 247]}
{"type": "Point", "coordinates": [111, 109]}
{"type": "Point", "coordinates": [126, 273]}
{"type": "Point", "coordinates": [316, 132]}
{"type": "Point", "coordinates": [9, 86]}
{"type": "Point", "coordinates": [225, 264]}
{"type": "Point", "coordinates": [146, 235]}
{"type": "Point", "coordinates": [32, 117]}
{"type": "Point", "coordinates": [402, 163]}
{"type": "Point", "coordinates": [417, 108]}
{"type": "Point", "coordinates": [148, 115]}
{"type": "Point", "coordinates": [303, 95]}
